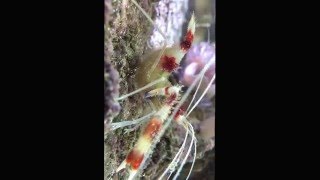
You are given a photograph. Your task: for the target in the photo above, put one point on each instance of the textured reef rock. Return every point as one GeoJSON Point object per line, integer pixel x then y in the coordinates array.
{"type": "Point", "coordinates": [126, 33]}
{"type": "Point", "coordinates": [111, 79]}
{"type": "Point", "coordinates": [169, 17]}
{"type": "Point", "coordinates": [111, 91]}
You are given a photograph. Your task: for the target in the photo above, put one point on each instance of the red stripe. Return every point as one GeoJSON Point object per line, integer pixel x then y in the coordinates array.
{"type": "Point", "coordinates": [166, 92]}
{"type": "Point", "coordinates": [186, 44]}
{"type": "Point", "coordinates": [152, 128]}
{"type": "Point", "coordinates": [171, 99]}
{"type": "Point", "coordinates": [168, 63]}
{"type": "Point", "coordinates": [134, 158]}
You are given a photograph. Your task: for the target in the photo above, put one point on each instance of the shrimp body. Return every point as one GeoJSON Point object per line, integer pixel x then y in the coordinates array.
{"type": "Point", "coordinates": [157, 65]}
{"type": "Point", "coordinates": [168, 62]}
{"type": "Point", "coordinates": [144, 143]}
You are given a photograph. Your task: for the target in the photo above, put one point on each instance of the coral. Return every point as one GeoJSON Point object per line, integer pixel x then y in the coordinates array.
{"type": "Point", "coordinates": [198, 56]}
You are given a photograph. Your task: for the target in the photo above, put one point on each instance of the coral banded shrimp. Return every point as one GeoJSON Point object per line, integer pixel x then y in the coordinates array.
{"type": "Point", "coordinates": [152, 78]}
